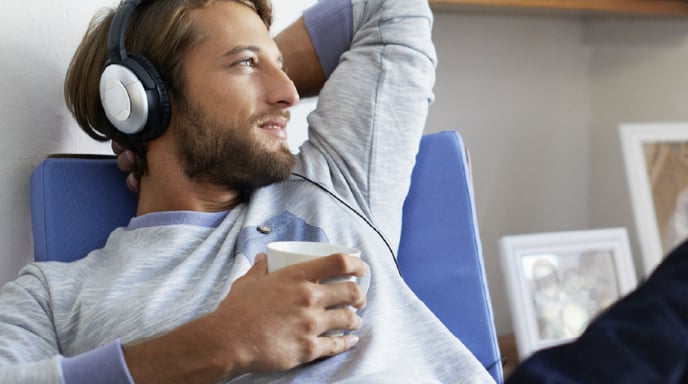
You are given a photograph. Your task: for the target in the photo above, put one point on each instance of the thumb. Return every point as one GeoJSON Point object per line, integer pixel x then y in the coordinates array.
{"type": "Point", "coordinates": [260, 266]}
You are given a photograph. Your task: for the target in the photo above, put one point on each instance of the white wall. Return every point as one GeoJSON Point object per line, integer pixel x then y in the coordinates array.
{"type": "Point", "coordinates": [38, 39]}
{"type": "Point", "coordinates": [637, 74]}
{"type": "Point", "coordinates": [538, 99]}
{"type": "Point", "coordinates": [515, 87]}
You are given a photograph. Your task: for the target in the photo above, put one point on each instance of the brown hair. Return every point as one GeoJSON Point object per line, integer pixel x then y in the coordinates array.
{"type": "Point", "coordinates": [163, 32]}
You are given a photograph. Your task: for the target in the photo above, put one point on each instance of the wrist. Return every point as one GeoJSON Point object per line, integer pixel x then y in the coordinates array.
{"type": "Point", "coordinates": [195, 352]}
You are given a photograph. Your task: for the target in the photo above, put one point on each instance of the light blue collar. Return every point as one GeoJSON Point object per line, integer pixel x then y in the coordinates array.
{"type": "Point", "coordinates": [155, 219]}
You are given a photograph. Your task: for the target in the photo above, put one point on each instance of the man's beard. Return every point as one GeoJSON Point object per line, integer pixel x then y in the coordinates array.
{"type": "Point", "coordinates": [229, 153]}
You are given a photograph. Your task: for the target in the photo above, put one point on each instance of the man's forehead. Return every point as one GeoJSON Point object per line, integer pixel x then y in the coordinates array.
{"type": "Point", "coordinates": [224, 9]}
{"type": "Point", "coordinates": [230, 18]}
{"type": "Point", "coordinates": [229, 27]}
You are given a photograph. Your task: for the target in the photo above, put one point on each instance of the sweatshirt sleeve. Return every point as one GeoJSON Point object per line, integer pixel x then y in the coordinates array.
{"type": "Point", "coordinates": [29, 351]}
{"type": "Point", "coordinates": [102, 365]}
{"type": "Point", "coordinates": [330, 26]}
{"type": "Point", "coordinates": [372, 109]}
{"type": "Point", "coordinates": [29, 348]}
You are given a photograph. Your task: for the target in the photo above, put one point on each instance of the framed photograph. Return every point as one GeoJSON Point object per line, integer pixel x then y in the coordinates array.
{"type": "Point", "coordinates": [558, 281]}
{"type": "Point", "coordinates": [656, 159]}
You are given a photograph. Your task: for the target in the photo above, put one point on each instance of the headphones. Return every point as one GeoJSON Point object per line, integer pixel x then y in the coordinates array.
{"type": "Point", "coordinates": [132, 92]}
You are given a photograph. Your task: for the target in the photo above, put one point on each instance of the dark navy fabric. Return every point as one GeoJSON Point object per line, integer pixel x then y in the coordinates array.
{"type": "Point", "coordinates": [643, 338]}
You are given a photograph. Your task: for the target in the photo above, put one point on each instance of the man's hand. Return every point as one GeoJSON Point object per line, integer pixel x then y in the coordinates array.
{"type": "Point", "coordinates": [267, 323]}
{"type": "Point", "coordinates": [283, 314]}
{"type": "Point", "coordinates": [126, 161]}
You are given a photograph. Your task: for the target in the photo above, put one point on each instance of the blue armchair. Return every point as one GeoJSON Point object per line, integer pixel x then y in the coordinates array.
{"type": "Point", "coordinates": [77, 201]}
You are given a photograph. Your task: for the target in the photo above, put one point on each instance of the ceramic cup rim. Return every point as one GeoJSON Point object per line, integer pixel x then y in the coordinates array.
{"type": "Point", "coordinates": [310, 248]}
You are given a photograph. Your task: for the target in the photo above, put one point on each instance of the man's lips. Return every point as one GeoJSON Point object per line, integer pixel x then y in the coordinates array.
{"type": "Point", "coordinates": [275, 126]}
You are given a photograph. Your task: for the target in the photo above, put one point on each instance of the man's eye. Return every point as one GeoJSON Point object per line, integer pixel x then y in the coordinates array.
{"type": "Point", "coordinates": [250, 62]}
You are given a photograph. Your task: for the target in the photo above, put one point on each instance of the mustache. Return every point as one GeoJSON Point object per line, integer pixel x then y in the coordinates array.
{"type": "Point", "coordinates": [271, 115]}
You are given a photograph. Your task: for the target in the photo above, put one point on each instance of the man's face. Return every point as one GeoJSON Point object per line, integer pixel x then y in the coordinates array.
{"type": "Point", "coordinates": [231, 128]}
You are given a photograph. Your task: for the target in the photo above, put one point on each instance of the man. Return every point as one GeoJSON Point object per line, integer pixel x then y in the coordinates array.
{"type": "Point", "coordinates": [182, 293]}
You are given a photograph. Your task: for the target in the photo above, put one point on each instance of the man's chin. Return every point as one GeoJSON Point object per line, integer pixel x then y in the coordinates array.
{"type": "Point", "coordinates": [280, 155]}
{"type": "Point", "coordinates": [280, 168]}
{"type": "Point", "coordinates": [274, 144]}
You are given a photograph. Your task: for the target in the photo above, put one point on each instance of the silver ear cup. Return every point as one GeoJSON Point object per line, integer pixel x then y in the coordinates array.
{"type": "Point", "coordinates": [124, 99]}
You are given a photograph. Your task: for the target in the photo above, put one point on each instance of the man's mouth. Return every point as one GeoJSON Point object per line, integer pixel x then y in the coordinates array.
{"type": "Point", "coordinates": [275, 126]}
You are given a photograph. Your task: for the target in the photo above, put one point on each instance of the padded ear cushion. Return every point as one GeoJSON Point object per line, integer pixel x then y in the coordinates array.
{"type": "Point", "coordinates": [159, 109]}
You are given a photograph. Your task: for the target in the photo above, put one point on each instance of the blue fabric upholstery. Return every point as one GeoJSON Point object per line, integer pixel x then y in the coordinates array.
{"type": "Point", "coordinates": [77, 202]}
{"type": "Point", "coordinates": [440, 255]}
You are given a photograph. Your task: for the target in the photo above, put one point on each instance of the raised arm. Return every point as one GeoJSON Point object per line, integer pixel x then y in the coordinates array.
{"type": "Point", "coordinates": [313, 44]}
{"type": "Point", "coordinates": [372, 109]}
{"type": "Point", "coordinates": [300, 59]}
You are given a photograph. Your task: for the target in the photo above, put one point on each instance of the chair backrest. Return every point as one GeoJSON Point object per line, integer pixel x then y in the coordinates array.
{"type": "Point", "coordinates": [440, 255]}
{"type": "Point", "coordinates": [77, 202]}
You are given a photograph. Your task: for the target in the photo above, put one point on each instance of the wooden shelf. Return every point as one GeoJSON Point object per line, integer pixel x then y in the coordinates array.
{"type": "Point", "coordinates": [637, 7]}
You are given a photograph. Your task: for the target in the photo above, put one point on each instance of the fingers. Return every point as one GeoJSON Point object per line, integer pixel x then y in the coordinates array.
{"type": "Point", "coordinates": [132, 183]}
{"type": "Point", "coordinates": [341, 318]}
{"type": "Point", "coordinates": [116, 147]}
{"type": "Point", "coordinates": [330, 281]}
{"type": "Point", "coordinates": [343, 294]}
{"type": "Point", "coordinates": [334, 345]}
{"type": "Point", "coordinates": [335, 265]}
{"type": "Point", "coordinates": [327, 316]}
{"type": "Point", "coordinates": [324, 346]}
{"type": "Point", "coordinates": [126, 159]}
{"type": "Point", "coordinates": [289, 316]}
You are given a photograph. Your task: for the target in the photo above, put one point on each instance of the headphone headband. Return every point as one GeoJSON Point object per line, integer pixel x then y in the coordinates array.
{"type": "Point", "coordinates": [117, 50]}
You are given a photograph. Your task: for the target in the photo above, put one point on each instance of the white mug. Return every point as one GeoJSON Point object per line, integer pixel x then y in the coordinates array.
{"type": "Point", "coordinates": [285, 253]}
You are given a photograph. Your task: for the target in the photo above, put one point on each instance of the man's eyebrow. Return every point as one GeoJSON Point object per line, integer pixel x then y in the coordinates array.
{"type": "Point", "coordinates": [241, 48]}
{"type": "Point", "coordinates": [252, 48]}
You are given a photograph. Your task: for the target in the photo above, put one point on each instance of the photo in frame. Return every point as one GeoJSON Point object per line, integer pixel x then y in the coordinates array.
{"type": "Point", "coordinates": [656, 160]}
{"type": "Point", "coordinates": [558, 281]}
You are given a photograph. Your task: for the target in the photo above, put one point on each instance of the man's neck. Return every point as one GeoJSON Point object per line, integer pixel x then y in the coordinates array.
{"type": "Point", "coordinates": [166, 187]}
{"type": "Point", "coordinates": [177, 196]}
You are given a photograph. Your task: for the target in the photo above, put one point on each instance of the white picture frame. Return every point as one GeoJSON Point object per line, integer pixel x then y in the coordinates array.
{"type": "Point", "coordinates": [658, 186]}
{"type": "Point", "coordinates": [558, 281]}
